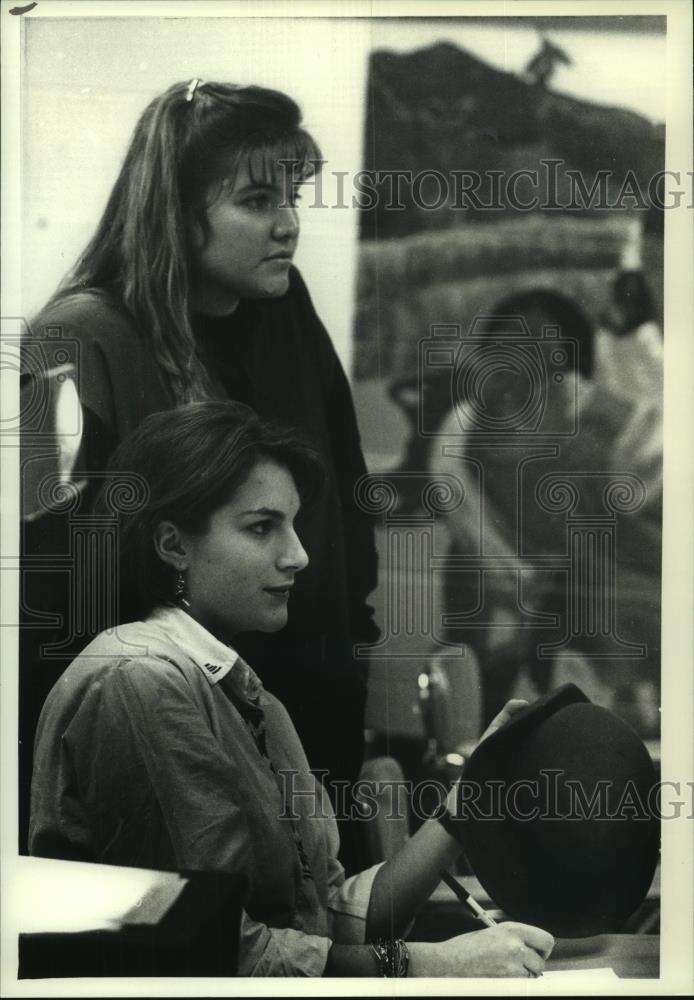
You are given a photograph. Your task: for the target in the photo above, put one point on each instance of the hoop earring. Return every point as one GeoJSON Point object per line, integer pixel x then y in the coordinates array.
{"type": "Point", "coordinates": [181, 598]}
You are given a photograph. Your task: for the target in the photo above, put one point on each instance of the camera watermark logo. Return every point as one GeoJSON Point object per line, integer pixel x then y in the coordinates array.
{"type": "Point", "coordinates": [48, 368]}
{"type": "Point", "coordinates": [502, 382]}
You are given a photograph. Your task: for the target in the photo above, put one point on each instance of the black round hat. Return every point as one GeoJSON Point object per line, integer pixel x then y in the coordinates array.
{"type": "Point", "coordinates": [558, 817]}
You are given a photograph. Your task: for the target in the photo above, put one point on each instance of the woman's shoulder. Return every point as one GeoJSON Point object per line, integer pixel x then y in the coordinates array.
{"type": "Point", "coordinates": [122, 676]}
{"type": "Point", "coordinates": [91, 334]}
{"type": "Point", "coordinates": [89, 314]}
{"type": "Point", "coordinates": [138, 652]}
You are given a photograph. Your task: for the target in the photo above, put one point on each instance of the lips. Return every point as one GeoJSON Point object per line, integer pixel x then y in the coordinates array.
{"type": "Point", "coordinates": [282, 255]}
{"type": "Point", "coordinates": [280, 592]}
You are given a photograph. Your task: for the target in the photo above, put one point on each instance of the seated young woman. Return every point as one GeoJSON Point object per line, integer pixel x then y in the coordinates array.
{"type": "Point", "coordinates": [159, 747]}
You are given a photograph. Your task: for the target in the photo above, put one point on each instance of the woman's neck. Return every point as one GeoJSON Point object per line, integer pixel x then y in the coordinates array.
{"type": "Point", "coordinates": [215, 302]}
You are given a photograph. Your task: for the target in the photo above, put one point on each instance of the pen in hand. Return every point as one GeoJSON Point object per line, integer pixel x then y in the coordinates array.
{"type": "Point", "coordinates": [470, 901]}
{"type": "Point", "coordinates": [465, 897]}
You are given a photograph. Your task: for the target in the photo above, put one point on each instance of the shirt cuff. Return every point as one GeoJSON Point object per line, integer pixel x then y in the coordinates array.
{"type": "Point", "coordinates": [273, 951]}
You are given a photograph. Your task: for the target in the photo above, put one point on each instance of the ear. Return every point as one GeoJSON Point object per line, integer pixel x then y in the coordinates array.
{"type": "Point", "coordinates": [169, 544]}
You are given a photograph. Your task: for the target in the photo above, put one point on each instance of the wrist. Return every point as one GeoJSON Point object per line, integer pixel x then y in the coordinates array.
{"type": "Point", "coordinates": [392, 956]}
{"type": "Point", "coordinates": [448, 815]}
{"type": "Point", "coordinates": [425, 959]}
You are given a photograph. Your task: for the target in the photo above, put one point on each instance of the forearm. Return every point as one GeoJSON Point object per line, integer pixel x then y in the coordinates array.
{"type": "Point", "coordinates": [359, 960]}
{"type": "Point", "coordinates": [406, 881]}
{"type": "Point", "coordinates": [351, 960]}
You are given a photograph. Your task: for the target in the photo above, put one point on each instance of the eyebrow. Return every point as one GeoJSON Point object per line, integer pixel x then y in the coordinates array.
{"type": "Point", "coordinates": [265, 511]}
{"type": "Point", "coordinates": [260, 186]}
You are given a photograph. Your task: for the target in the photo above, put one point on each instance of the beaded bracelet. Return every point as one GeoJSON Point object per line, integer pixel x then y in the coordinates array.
{"type": "Point", "coordinates": [393, 957]}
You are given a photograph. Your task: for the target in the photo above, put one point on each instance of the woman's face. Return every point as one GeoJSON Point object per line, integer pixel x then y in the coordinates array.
{"type": "Point", "coordinates": [253, 230]}
{"type": "Point", "coordinates": [239, 574]}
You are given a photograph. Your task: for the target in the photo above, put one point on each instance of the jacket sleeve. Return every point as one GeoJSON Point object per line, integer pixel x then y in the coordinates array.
{"type": "Point", "coordinates": [140, 756]}
{"type": "Point", "coordinates": [79, 338]}
{"type": "Point", "coordinates": [271, 951]}
{"type": "Point", "coordinates": [70, 362]}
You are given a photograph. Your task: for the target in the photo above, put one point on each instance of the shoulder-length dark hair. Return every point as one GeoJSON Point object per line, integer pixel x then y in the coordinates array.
{"type": "Point", "coordinates": [183, 465]}
{"type": "Point", "coordinates": [190, 137]}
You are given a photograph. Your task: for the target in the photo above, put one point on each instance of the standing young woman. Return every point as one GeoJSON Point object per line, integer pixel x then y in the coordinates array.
{"type": "Point", "coordinates": [160, 748]}
{"type": "Point", "coordinates": [187, 291]}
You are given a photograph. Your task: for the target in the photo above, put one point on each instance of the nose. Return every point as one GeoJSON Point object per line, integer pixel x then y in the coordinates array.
{"type": "Point", "coordinates": [294, 556]}
{"type": "Point", "coordinates": [286, 225]}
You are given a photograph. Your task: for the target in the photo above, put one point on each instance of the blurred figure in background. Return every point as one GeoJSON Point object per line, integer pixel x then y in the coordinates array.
{"type": "Point", "coordinates": [629, 364]}
{"type": "Point", "coordinates": [502, 517]}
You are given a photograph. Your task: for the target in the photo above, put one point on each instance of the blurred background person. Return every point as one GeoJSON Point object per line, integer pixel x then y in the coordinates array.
{"type": "Point", "coordinates": [502, 513]}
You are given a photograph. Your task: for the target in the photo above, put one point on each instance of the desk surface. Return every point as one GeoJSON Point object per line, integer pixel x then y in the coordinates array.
{"type": "Point", "coordinates": [80, 919]}
{"type": "Point", "coordinates": [632, 956]}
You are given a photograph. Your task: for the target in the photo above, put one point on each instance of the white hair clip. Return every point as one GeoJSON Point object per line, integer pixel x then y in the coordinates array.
{"type": "Point", "coordinates": [192, 87]}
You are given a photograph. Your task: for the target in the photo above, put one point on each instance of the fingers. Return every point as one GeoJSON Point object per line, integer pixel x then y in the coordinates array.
{"type": "Point", "coordinates": [508, 950]}
{"type": "Point", "coordinates": [534, 937]}
{"type": "Point", "coordinates": [513, 706]}
{"type": "Point", "coordinates": [532, 949]}
{"type": "Point", "coordinates": [510, 709]}
{"type": "Point", "coordinates": [533, 962]}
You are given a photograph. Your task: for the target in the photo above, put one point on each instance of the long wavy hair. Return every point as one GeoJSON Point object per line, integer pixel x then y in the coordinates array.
{"type": "Point", "coordinates": [188, 139]}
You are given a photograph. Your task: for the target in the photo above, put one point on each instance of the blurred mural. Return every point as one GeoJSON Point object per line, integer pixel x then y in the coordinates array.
{"type": "Point", "coordinates": [442, 109]}
{"type": "Point", "coordinates": [508, 343]}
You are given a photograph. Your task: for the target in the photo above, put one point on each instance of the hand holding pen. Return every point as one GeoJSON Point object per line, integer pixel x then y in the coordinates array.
{"type": "Point", "coordinates": [535, 950]}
